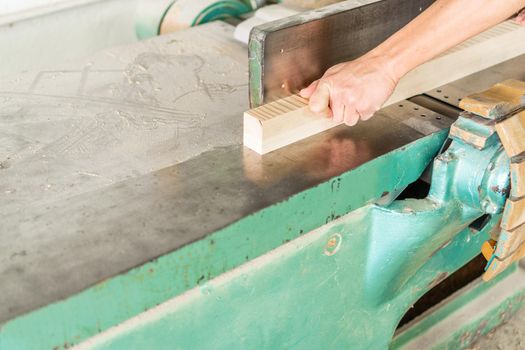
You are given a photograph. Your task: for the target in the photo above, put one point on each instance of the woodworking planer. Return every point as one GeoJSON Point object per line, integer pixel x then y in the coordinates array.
{"type": "Point", "coordinates": [133, 216]}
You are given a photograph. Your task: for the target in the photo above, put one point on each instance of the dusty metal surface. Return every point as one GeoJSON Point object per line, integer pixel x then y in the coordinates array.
{"type": "Point", "coordinates": [111, 163]}
{"type": "Point", "coordinates": [287, 54]}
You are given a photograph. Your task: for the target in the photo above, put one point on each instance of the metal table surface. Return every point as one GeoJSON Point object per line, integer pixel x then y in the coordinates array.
{"type": "Point", "coordinates": [136, 152]}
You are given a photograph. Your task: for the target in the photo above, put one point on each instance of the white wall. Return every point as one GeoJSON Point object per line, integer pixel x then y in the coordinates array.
{"type": "Point", "coordinates": [14, 6]}
{"type": "Point", "coordinates": [35, 34]}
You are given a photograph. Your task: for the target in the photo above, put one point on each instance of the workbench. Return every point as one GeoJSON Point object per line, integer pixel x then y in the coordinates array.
{"type": "Point", "coordinates": [124, 181]}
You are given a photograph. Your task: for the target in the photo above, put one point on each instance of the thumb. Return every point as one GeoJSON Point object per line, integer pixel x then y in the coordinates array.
{"type": "Point", "coordinates": [320, 99]}
{"type": "Point", "coordinates": [308, 91]}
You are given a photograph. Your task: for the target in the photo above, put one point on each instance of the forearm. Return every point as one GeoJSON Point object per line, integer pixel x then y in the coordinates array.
{"type": "Point", "coordinates": [443, 25]}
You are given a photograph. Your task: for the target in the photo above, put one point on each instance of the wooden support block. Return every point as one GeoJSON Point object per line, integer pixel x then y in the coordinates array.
{"type": "Point", "coordinates": [269, 128]}
{"type": "Point", "coordinates": [517, 178]}
{"type": "Point", "coordinates": [510, 243]}
{"type": "Point", "coordinates": [498, 101]}
{"type": "Point", "coordinates": [474, 130]}
{"type": "Point", "coordinates": [487, 249]}
{"type": "Point", "coordinates": [510, 132]}
{"type": "Point", "coordinates": [520, 252]}
{"type": "Point", "coordinates": [514, 213]}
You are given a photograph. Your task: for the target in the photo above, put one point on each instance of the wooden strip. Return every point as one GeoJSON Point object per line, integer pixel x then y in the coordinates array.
{"type": "Point", "coordinates": [498, 101]}
{"type": "Point", "coordinates": [510, 132]}
{"type": "Point", "coordinates": [496, 45]}
{"type": "Point", "coordinates": [266, 135]}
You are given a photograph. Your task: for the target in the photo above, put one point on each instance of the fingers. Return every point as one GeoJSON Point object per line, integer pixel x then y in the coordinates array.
{"type": "Point", "coordinates": [366, 116]}
{"type": "Point", "coordinates": [320, 98]}
{"type": "Point", "coordinates": [351, 116]}
{"type": "Point", "coordinates": [309, 90]}
{"type": "Point", "coordinates": [338, 112]}
{"type": "Point", "coordinates": [521, 17]}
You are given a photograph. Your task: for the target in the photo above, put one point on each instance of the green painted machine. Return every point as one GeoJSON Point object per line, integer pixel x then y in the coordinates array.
{"type": "Point", "coordinates": [133, 218]}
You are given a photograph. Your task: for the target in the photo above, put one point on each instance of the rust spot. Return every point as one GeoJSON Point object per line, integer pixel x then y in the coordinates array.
{"type": "Point", "coordinates": [483, 324]}
{"type": "Point", "coordinates": [333, 244]}
{"type": "Point", "coordinates": [385, 193]}
{"type": "Point", "coordinates": [503, 191]}
{"type": "Point", "coordinates": [465, 339]}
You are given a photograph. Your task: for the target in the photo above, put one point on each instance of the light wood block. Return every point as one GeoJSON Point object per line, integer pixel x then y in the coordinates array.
{"type": "Point", "coordinates": [498, 101]}
{"type": "Point", "coordinates": [509, 246]}
{"type": "Point", "coordinates": [520, 252]}
{"type": "Point", "coordinates": [510, 132]}
{"type": "Point", "coordinates": [268, 129]}
{"type": "Point", "coordinates": [277, 124]}
{"type": "Point", "coordinates": [487, 249]}
{"type": "Point", "coordinates": [517, 179]}
{"type": "Point", "coordinates": [478, 138]}
{"type": "Point", "coordinates": [514, 213]}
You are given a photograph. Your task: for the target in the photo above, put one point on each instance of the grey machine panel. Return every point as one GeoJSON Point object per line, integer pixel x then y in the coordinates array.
{"type": "Point", "coordinates": [109, 163]}
{"type": "Point", "coordinates": [287, 54]}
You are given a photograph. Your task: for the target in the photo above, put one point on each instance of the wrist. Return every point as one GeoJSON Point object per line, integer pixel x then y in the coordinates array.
{"type": "Point", "coordinates": [390, 63]}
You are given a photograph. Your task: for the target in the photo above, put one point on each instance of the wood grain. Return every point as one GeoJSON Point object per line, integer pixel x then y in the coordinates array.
{"type": "Point", "coordinates": [510, 131]}
{"type": "Point", "coordinates": [514, 213]}
{"type": "Point", "coordinates": [510, 247]}
{"type": "Point", "coordinates": [498, 101]}
{"type": "Point", "coordinates": [267, 128]}
{"type": "Point", "coordinates": [517, 178]}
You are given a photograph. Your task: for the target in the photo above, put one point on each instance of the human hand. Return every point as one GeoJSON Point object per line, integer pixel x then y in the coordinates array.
{"type": "Point", "coordinates": [520, 18]}
{"type": "Point", "coordinates": [352, 90]}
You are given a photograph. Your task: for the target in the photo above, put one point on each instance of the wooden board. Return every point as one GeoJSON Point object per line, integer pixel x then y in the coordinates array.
{"type": "Point", "coordinates": [285, 121]}
{"type": "Point", "coordinates": [517, 178]}
{"type": "Point", "coordinates": [498, 101]}
{"type": "Point", "coordinates": [510, 131]}
{"type": "Point", "coordinates": [510, 246]}
{"type": "Point", "coordinates": [477, 137]}
{"type": "Point", "coordinates": [514, 213]}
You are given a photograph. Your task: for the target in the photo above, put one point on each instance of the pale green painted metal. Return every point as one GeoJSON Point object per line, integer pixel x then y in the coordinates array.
{"type": "Point", "coordinates": [345, 285]}
{"type": "Point", "coordinates": [150, 14]}
{"type": "Point", "coordinates": [463, 336]}
{"type": "Point", "coordinates": [299, 299]}
{"type": "Point", "coordinates": [221, 10]}
{"type": "Point", "coordinates": [477, 126]}
{"type": "Point", "coordinates": [59, 325]}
